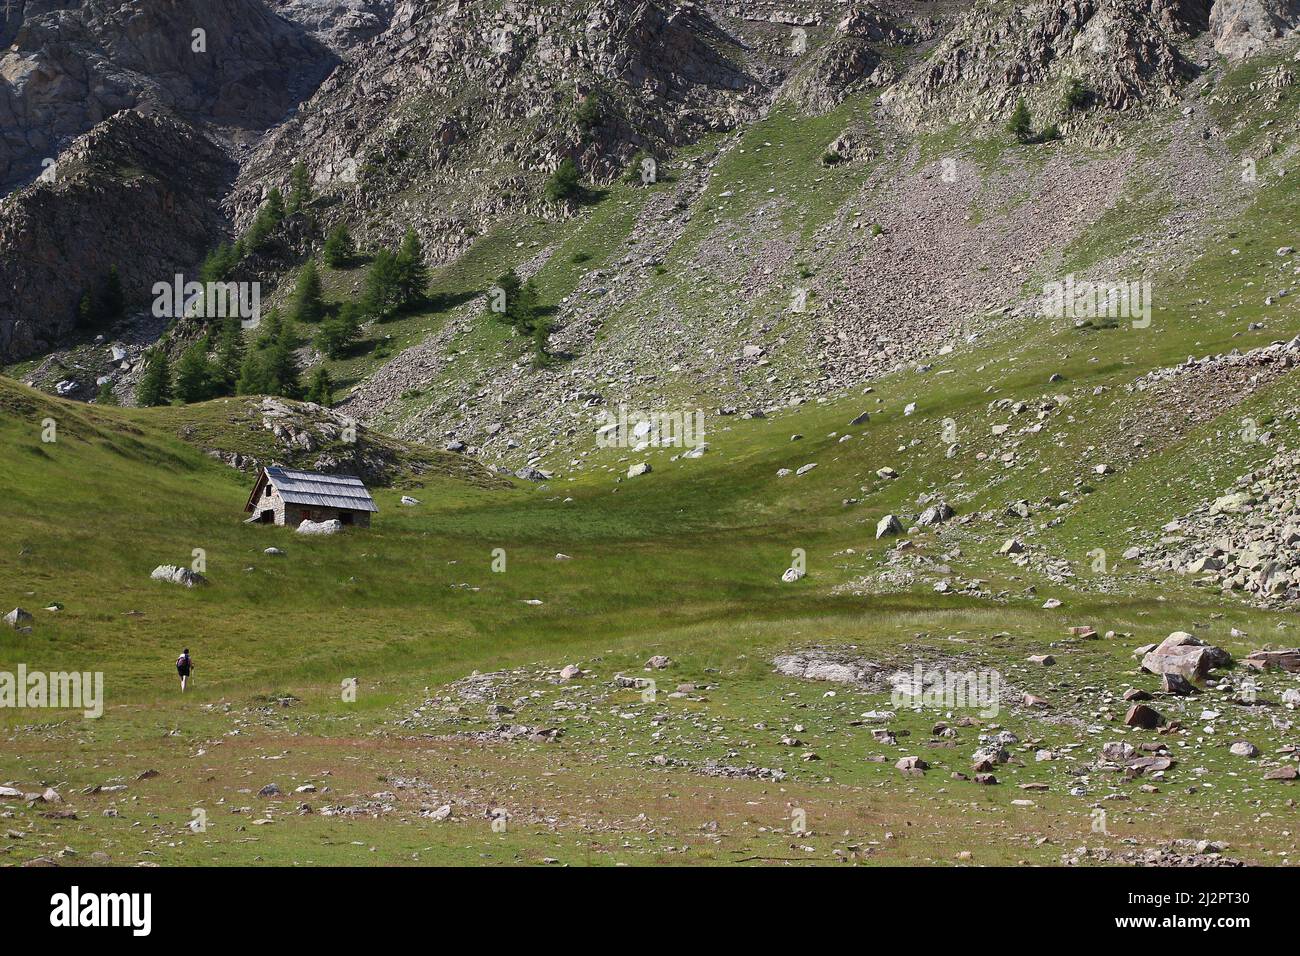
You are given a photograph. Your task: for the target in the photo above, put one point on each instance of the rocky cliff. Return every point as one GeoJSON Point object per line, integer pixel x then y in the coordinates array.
{"type": "Point", "coordinates": [70, 64]}
{"type": "Point", "coordinates": [457, 112]}
{"type": "Point", "coordinates": [139, 192]}
{"type": "Point", "coordinates": [1244, 27]}
{"type": "Point", "coordinates": [1126, 53]}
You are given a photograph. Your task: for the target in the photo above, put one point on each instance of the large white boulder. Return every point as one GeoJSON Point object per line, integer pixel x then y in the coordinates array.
{"type": "Point", "coordinates": [18, 618]}
{"type": "Point", "coordinates": [332, 526]}
{"type": "Point", "coordinates": [177, 575]}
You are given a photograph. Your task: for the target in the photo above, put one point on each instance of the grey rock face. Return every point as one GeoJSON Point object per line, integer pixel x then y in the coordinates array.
{"type": "Point", "coordinates": [341, 24]}
{"type": "Point", "coordinates": [500, 84]}
{"type": "Point", "coordinates": [70, 66]}
{"type": "Point", "coordinates": [59, 239]}
{"type": "Point", "coordinates": [1245, 27]}
{"type": "Point", "coordinates": [1129, 51]}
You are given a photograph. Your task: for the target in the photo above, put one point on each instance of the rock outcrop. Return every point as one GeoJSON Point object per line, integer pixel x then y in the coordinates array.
{"type": "Point", "coordinates": [1247, 540]}
{"type": "Point", "coordinates": [1128, 52]}
{"type": "Point", "coordinates": [507, 93]}
{"type": "Point", "coordinates": [69, 66]}
{"type": "Point", "coordinates": [1245, 27]}
{"type": "Point", "coordinates": [144, 185]}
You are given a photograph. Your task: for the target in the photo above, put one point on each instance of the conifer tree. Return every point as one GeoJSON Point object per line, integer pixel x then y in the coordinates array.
{"type": "Point", "coordinates": [412, 274]}
{"type": "Point", "coordinates": [155, 386]}
{"type": "Point", "coordinates": [308, 303]}
{"type": "Point", "coordinates": [339, 249]}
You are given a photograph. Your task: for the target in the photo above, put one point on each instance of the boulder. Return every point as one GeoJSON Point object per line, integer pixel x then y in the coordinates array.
{"type": "Point", "coordinates": [791, 575]}
{"type": "Point", "coordinates": [659, 662]}
{"type": "Point", "coordinates": [643, 468]}
{"type": "Point", "coordinates": [1188, 656]}
{"type": "Point", "coordinates": [182, 576]}
{"type": "Point", "coordinates": [332, 526]}
{"type": "Point", "coordinates": [1117, 751]}
{"type": "Point", "coordinates": [988, 757]}
{"type": "Point", "coordinates": [18, 618]}
{"type": "Point", "coordinates": [794, 665]}
{"type": "Point", "coordinates": [888, 525]}
{"type": "Point", "coordinates": [1178, 685]}
{"type": "Point", "coordinates": [570, 671]}
{"type": "Point", "coordinates": [935, 514]}
{"type": "Point", "coordinates": [1243, 748]}
{"type": "Point", "coordinates": [1140, 715]}
{"type": "Point", "coordinates": [1287, 660]}
{"type": "Point", "coordinates": [1140, 765]}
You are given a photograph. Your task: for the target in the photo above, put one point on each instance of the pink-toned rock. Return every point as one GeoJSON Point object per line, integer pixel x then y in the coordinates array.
{"type": "Point", "coordinates": [1287, 660]}
{"type": "Point", "coordinates": [1188, 656]}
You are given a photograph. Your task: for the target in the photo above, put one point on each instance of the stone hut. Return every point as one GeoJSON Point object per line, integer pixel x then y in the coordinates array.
{"type": "Point", "coordinates": [285, 497]}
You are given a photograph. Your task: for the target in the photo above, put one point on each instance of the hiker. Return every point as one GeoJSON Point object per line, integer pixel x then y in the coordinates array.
{"type": "Point", "coordinates": [184, 667]}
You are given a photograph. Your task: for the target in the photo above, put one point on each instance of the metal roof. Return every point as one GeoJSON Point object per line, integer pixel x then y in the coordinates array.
{"type": "Point", "coordinates": [322, 491]}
